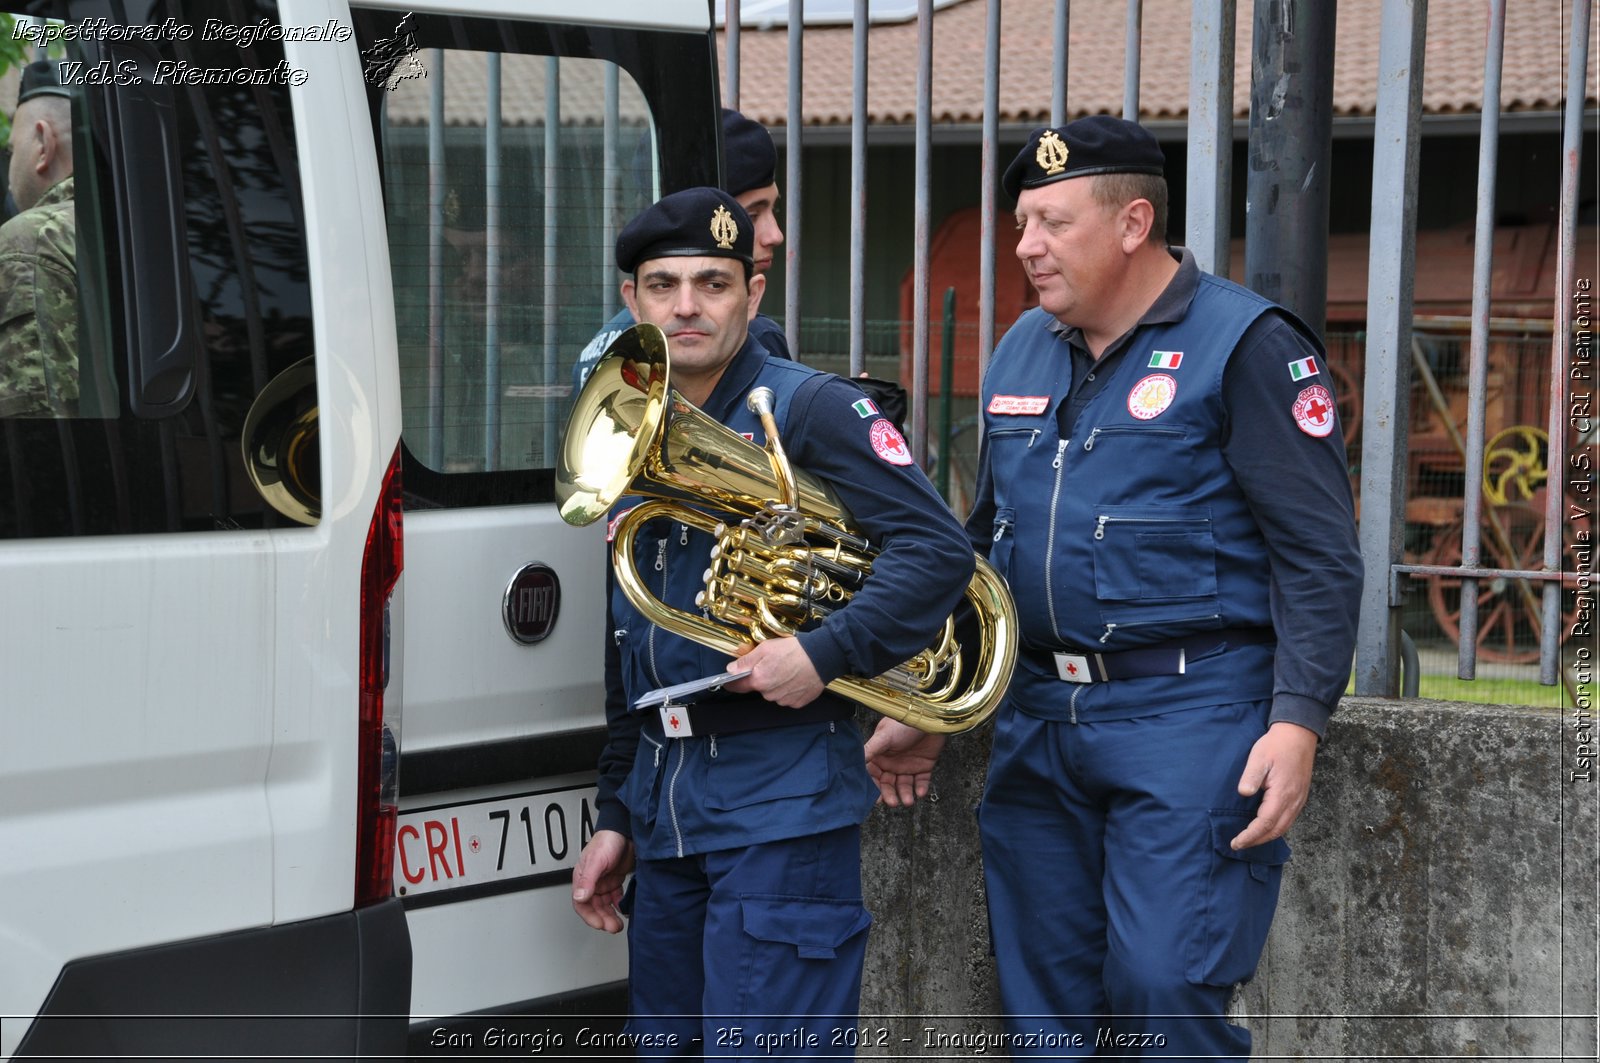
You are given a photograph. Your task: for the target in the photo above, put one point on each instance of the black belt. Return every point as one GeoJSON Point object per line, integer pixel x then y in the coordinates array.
{"type": "Point", "coordinates": [732, 715]}
{"type": "Point", "coordinates": [1161, 658]}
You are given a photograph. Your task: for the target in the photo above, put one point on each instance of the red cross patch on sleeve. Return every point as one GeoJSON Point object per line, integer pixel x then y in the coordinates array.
{"type": "Point", "coordinates": [1314, 411]}
{"type": "Point", "coordinates": [889, 444]}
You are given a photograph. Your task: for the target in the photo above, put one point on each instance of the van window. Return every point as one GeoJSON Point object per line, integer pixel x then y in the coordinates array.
{"type": "Point", "coordinates": [512, 153]}
{"type": "Point", "coordinates": [94, 439]}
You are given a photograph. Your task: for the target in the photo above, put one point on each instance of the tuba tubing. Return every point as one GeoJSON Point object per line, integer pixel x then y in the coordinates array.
{"type": "Point", "coordinates": [986, 592]}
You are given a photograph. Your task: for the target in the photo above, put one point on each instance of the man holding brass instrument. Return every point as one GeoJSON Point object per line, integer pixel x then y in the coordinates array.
{"type": "Point", "coordinates": [738, 810]}
{"type": "Point", "coordinates": [1164, 480]}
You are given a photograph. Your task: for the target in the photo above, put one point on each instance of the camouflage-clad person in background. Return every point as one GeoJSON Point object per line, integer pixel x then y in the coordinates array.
{"type": "Point", "coordinates": [38, 271]}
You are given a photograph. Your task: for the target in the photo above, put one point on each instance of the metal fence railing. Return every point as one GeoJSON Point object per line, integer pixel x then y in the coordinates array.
{"type": "Point", "coordinates": [1449, 503]}
{"type": "Point", "coordinates": [1515, 476]}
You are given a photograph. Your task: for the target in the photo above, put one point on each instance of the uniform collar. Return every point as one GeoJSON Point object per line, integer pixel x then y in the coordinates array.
{"type": "Point", "coordinates": [56, 194]}
{"type": "Point", "coordinates": [1170, 306]}
{"type": "Point", "coordinates": [737, 380]}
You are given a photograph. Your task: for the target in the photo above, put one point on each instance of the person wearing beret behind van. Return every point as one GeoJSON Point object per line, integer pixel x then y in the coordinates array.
{"type": "Point", "coordinates": [38, 255]}
{"type": "Point", "coordinates": [751, 175]}
{"type": "Point", "coordinates": [740, 816]}
{"type": "Point", "coordinates": [1163, 481]}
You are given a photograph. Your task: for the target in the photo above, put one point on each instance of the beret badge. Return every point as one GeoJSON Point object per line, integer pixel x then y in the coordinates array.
{"type": "Point", "coordinates": [724, 230]}
{"type": "Point", "coordinates": [695, 221]}
{"type": "Point", "coordinates": [1052, 153]}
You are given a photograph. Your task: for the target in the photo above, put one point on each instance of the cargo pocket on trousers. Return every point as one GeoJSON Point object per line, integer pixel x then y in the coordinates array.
{"type": "Point", "coordinates": [810, 929]}
{"type": "Point", "coordinates": [1241, 896]}
{"type": "Point", "coordinates": [802, 955]}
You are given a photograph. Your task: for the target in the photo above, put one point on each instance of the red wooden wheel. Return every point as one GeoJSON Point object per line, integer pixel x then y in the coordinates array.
{"type": "Point", "coordinates": [1508, 619]}
{"type": "Point", "coordinates": [1347, 389]}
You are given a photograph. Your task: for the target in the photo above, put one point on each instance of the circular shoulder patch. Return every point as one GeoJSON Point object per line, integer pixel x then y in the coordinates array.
{"type": "Point", "coordinates": [889, 443]}
{"type": "Point", "coordinates": [1151, 396]}
{"type": "Point", "coordinates": [1314, 411]}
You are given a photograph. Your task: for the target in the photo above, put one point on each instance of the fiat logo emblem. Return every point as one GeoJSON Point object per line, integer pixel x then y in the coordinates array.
{"type": "Point", "coordinates": [532, 602]}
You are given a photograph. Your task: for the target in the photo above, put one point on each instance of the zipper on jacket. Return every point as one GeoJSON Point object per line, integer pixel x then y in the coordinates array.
{"type": "Point", "coordinates": [1103, 519]}
{"type": "Point", "coordinates": [1088, 443]}
{"type": "Point", "coordinates": [1072, 705]}
{"type": "Point", "coordinates": [650, 642]}
{"type": "Point", "coordinates": [672, 795]}
{"type": "Point", "coordinates": [1033, 434]}
{"type": "Point", "coordinates": [1112, 627]}
{"type": "Point", "coordinates": [1049, 553]}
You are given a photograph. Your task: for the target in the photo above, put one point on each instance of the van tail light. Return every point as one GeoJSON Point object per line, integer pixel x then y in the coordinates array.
{"type": "Point", "coordinates": [378, 739]}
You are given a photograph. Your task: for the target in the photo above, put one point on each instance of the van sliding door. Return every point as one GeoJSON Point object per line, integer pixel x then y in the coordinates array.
{"type": "Point", "coordinates": [512, 150]}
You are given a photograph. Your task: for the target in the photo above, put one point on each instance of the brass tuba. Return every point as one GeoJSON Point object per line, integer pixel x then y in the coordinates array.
{"type": "Point", "coordinates": [786, 552]}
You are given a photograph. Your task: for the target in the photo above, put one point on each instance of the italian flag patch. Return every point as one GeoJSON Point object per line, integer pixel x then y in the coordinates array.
{"type": "Point", "coordinates": [1303, 369]}
{"type": "Point", "coordinates": [865, 408]}
{"type": "Point", "coordinates": [1165, 359]}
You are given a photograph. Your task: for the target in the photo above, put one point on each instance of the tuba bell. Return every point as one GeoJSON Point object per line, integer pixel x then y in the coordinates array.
{"type": "Point", "coordinates": [279, 440]}
{"type": "Point", "coordinates": [786, 551]}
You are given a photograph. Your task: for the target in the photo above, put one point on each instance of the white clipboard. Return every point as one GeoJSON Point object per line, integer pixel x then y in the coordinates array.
{"type": "Point", "coordinates": [674, 695]}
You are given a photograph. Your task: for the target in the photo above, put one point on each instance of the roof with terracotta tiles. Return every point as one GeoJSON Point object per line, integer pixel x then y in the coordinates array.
{"type": "Point", "coordinates": [1532, 78]}
{"type": "Point", "coordinates": [524, 91]}
{"type": "Point", "coordinates": [1533, 72]}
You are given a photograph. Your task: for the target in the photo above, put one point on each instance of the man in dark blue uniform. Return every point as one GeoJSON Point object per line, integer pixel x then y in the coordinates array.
{"type": "Point", "coordinates": [1164, 483]}
{"type": "Point", "coordinates": [740, 817]}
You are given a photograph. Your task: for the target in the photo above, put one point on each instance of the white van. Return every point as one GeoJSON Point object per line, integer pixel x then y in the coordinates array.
{"type": "Point", "coordinates": [335, 262]}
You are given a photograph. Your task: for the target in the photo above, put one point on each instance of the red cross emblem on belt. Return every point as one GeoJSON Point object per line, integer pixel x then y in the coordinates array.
{"type": "Point", "coordinates": [1073, 668]}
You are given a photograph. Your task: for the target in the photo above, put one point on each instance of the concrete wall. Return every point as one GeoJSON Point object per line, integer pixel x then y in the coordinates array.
{"type": "Point", "coordinates": [1441, 900]}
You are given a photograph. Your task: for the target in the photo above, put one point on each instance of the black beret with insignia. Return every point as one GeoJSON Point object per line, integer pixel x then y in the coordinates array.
{"type": "Point", "coordinates": [40, 78]}
{"type": "Point", "coordinates": [752, 160]}
{"type": "Point", "coordinates": [696, 221]}
{"type": "Point", "coordinates": [1097, 144]}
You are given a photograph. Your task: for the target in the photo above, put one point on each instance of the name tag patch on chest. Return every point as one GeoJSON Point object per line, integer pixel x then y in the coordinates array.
{"type": "Point", "coordinates": [1028, 405]}
{"type": "Point", "coordinates": [1314, 410]}
{"type": "Point", "coordinates": [1151, 396]}
{"type": "Point", "coordinates": [889, 444]}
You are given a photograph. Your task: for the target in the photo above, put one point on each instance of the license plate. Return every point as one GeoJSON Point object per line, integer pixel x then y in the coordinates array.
{"type": "Point", "coordinates": [490, 841]}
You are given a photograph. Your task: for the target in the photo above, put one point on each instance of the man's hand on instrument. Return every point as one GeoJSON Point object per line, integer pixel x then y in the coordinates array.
{"type": "Point", "coordinates": [900, 760]}
{"type": "Point", "coordinates": [1279, 769]}
{"type": "Point", "coordinates": [780, 671]}
{"type": "Point", "coordinates": [597, 880]}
